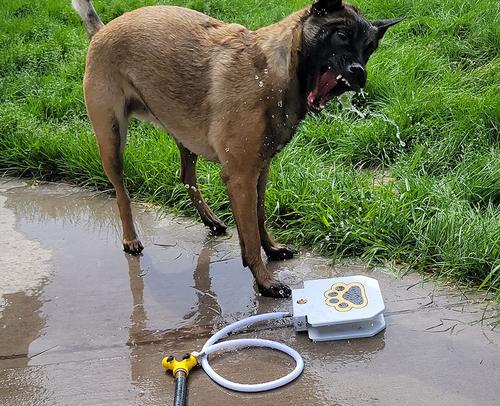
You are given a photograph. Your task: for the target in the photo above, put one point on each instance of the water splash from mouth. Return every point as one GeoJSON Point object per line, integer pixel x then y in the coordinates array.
{"type": "Point", "coordinates": [346, 101]}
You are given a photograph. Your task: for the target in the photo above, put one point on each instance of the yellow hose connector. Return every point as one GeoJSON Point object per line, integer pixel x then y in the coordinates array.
{"type": "Point", "coordinates": [187, 363]}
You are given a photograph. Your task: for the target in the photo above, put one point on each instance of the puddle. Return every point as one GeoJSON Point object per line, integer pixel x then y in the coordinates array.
{"type": "Point", "coordinates": [83, 323]}
{"type": "Point", "coordinates": [19, 276]}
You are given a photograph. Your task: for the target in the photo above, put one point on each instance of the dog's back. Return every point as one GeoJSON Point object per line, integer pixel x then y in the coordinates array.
{"type": "Point", "coordinates": [166, 58]}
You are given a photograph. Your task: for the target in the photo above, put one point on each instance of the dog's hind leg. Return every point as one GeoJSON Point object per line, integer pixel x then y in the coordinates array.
{"type": "Point", "coordinates": [188, 177]}
{"type": "Point", "coordinates": [110, 127]}
{"type": "Point", "coordinates": [273, 250]}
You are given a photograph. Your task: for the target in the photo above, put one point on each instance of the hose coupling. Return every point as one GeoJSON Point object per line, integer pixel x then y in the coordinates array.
{"type": "Point", "coordinates": [188, 362]}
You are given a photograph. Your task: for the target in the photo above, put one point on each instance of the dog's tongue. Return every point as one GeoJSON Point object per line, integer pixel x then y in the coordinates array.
{"type": "Point", "coordinates": [324, 85]}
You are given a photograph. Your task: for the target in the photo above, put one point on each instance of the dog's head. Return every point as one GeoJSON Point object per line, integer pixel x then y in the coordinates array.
{"type": "Point", "coordinates": [336, 45]}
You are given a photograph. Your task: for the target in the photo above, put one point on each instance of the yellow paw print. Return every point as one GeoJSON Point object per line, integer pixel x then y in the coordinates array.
{"type": "Point", "coordinates": [346, 296]}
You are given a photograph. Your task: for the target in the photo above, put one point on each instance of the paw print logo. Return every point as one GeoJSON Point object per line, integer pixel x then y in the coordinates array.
{"type": "Point", "coordinates": [346, 296]}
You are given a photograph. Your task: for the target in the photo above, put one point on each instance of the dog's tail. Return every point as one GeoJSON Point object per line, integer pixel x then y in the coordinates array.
{"type": "Point", "coordinates": [91, 20]}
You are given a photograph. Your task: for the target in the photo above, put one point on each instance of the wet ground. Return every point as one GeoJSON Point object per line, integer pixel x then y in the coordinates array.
{"type": "Point", "coordinates": [81, 323]}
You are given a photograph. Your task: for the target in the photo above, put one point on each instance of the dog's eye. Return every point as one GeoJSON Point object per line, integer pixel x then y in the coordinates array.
{"type": "Point", "coordinates": [342, 36]}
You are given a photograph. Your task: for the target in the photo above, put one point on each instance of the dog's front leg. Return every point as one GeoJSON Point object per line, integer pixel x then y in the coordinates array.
{"type": "Point", "coordinates": [242, 189]}
{"type": "Point", "coordinates": [273, 250]}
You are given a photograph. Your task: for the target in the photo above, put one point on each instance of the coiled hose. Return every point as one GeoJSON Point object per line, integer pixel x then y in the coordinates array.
{"type": "Point", "coordinates": [211, 346]}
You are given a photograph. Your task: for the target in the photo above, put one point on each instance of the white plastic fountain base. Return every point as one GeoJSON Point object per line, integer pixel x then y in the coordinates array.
{"type": "Point", "coordinates": [339, 308]}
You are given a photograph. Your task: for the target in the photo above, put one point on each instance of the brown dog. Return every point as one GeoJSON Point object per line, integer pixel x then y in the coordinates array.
{"type": "Point", "coordinates": [231, 95]}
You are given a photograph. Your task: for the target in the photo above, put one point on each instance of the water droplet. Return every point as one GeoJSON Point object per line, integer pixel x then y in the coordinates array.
{"type": "Point", "coordinates": [327, 238]}
{"type": "Point", "coordinates": [186, 186]}
{"type": "Point", "coordinates": [261, 83]}
{"type": "Point", "coordinates": [280, 103]}
{"type": "Point", "coordinates": [256, 77]}
{"type": "Point", "coordinates": [227, 149]}
{"type": "Point", "coordinates": [193, 188]}
{"type": "Point", "coordinates": [266, 71]}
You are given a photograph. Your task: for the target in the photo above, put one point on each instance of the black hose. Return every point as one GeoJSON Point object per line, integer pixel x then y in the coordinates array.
{"type": "Point", "coordinates": [180, 389]}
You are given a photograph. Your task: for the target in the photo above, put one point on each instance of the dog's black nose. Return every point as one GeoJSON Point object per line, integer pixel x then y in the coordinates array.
{"type": "Point", "coordinates": [358, 73]}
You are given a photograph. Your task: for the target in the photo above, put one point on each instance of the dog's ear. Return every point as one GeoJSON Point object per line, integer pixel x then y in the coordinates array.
{"type": "Point", "coordinates": [322, 7]}
{"type": "Point", "coordinates": [383, 25]}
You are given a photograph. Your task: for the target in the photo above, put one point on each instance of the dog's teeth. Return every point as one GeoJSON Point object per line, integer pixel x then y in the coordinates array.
{"type": "Point", "coordinates": [346, 82]}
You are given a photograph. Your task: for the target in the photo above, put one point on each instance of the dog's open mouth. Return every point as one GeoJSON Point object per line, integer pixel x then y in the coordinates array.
{"type": "Point", "coordinates": [327, 85]}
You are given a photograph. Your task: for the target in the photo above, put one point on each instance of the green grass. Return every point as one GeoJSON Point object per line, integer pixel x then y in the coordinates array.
{"type": "Point", "coordinates": [429, 122]}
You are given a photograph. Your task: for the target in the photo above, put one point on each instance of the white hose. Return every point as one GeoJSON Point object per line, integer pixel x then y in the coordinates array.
{"type": "Point", "coordinates": [210, 347]}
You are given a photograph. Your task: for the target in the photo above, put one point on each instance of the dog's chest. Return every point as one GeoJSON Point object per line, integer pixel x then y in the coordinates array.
{"type": "Point", "coordinates": [282, 120]}
{"type": "Point", "coordinates": [278, 135]}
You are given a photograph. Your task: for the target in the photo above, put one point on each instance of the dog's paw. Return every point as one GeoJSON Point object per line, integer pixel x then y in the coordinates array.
{"type": "Point", "coordinates": [274, 288]}
{"type": "Point", "coordinates": [280, 252]}
{"type": "Point", "coordinates": [133, 247]}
